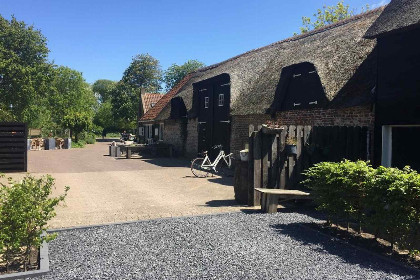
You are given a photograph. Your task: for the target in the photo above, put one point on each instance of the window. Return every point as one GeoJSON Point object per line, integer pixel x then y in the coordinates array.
{"type": "Point", "coordinates": [141, 130]}
{"type": "Point", "coordinates": [152, 105]}
{"type": "Point", "coordinates": [206, 102]}
{"type": "Point", "coordinates": [221, 99]}
{"type": "Point", "coordinates": [161, 132]}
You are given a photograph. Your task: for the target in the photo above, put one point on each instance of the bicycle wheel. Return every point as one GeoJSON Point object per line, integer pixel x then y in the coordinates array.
{"type": "Point", "coordinates": [196, 168]}
{"type": "Point", "coordinates": [225, 169]}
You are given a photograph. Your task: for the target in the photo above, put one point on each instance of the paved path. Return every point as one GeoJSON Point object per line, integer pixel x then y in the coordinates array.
{"type": "Point", "coordinates": [226, 246]}
{"type": "Point", "coordinates": [105, 190]}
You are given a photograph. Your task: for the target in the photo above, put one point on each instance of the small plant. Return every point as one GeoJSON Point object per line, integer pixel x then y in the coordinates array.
{"type": "Point", "coordinates": [79, 144]}
{"type": "Point", "coordinates": [25, 209]}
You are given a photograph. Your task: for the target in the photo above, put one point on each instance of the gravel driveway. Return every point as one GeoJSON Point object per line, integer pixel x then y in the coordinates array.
{"type": "Point", "coordinates": [224, 246]}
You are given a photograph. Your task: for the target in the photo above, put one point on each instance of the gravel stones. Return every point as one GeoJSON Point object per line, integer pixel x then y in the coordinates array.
{"type": "Point", "coordinates": [224, 246]}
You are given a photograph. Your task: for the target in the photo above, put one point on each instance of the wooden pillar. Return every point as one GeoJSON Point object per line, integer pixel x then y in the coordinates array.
{"type": "Point", "coordinates": [250, 180]}
{"type": "Point", "coordinates": [257, 166]}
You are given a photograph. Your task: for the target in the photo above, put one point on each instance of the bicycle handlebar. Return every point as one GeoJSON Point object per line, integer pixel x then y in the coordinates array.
{"type": "Point", "coordinates": [217, 147]}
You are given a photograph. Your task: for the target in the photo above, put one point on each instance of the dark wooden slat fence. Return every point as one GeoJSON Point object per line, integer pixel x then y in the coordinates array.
{"type": "Point", "coordinates": [270, 167]}
{"type": "Point", "coordinates": [13, 146]}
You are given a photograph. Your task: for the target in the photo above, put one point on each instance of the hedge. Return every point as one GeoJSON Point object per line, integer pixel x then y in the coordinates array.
{"type": "Point", "coordinates": [384, 201]}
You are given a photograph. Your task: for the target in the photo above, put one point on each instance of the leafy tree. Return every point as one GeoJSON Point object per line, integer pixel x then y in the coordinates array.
{"type": "Point", "coordinates": [104, 116]}
{"type": "Point", "coordinates": [77, 122]}
{"type": "Point", "coordinates": [72, 100]}
{"type": "Point", "coordinates": [328, 15]}
{"type": "Point", "coordinates": [125, 105]}
{"type": "Point", "coordinates": [175, 73]}
{"type": "Point", "coordinates": [102, 89]}
{"type": "Point", "coordinates": [25, 73]}
{"type": "Point", "coordinates": [144, 72]}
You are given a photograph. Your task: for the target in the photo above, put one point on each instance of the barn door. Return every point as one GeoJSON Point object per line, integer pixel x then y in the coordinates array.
{"type": "Point", "coordinates": [205, 117]}
{"type": "Point", "coordinates": [213, 115]}
{"type": "Point", "coordinates": [221, 119]}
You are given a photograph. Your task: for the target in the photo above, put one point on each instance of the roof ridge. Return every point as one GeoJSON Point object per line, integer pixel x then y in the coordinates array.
{"type": "Point", "coordinates": [156, 110]}
{"type": "Point", "coordinates": [297, 37]}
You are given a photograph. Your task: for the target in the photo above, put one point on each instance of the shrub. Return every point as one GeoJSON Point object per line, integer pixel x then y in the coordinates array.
{"type": "Point", "coordinates": [387, 200]}
{"type": "Point", "coordinates": [339, 188]}
{"type": "Point", "coordinates": [79, 144]}
{"type": "Point", "coordinates": [25, 209]}
{"type": "Point", "coordinates": [393, 201]}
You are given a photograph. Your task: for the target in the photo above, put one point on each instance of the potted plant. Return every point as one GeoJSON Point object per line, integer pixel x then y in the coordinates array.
{"type": "Point", "coordinates": [290, 147]}
{"type": "Point", "coordinates": [244, 155]}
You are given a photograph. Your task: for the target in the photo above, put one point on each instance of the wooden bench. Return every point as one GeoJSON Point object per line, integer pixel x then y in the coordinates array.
{"type": "Point", "coordinates": [270, 197]}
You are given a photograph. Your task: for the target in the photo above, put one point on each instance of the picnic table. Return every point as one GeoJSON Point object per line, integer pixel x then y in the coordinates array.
{"type": "Point", "coordinates": [270, 197]}
{"type": "Point", "coordinates": [154, 149]}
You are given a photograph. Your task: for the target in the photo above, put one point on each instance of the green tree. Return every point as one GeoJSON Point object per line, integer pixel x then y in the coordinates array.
{"type": "Point", "coordinates": [144, 72]}
{"type": "Point", "coordinates": [25, 73]}
{"type": "Point", "coordinates": [72, 101]}
{"type": "Point", "coordinates": [328, 15]}
{"type": "Point", "coordinates": [104, 116]}
{"type": "Point", "coordinates": [175, 73]}
{"type": "Point", "coordinates": [102, 89]}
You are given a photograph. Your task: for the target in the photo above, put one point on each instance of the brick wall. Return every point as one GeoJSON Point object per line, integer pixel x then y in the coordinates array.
{"type": "Point", "coordinates": [354, 116]}
{"type": "Point", "coordinates": [191, 145]}
{"type": "Point", "coordinates": [173, 134]}
{"type": "Point", "coordinates": [240, 130]}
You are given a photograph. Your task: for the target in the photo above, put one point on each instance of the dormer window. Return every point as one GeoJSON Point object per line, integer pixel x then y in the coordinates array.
{"type": "Point", "coordinates": [299, 88]}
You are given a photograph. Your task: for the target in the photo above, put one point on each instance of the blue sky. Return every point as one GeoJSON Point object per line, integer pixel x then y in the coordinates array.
{"type": "Point", "coordinates": [99, 37]}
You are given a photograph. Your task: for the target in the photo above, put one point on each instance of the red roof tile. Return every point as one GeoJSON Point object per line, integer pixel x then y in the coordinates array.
{"type": "Point", "coordinates": [149, 100]}
{"type": "Point", "coordinates": [155, 111]}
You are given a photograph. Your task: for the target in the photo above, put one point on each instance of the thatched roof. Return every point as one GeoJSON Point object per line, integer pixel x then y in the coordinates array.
{"type": "Point", "coordinates": [397, 16]}
{"type": "Point", "coordinates": [338, 51]}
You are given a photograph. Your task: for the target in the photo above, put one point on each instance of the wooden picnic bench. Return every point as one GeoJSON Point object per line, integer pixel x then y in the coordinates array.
{"type": "Point", "coordinates": [130, 149]}
{"type": "Point", "coordinates": [156, 149]}
{"type": "Point", "coordinates": [270, 197]}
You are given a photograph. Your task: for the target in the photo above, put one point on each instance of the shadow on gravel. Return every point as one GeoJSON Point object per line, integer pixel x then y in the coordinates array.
{"type": "Point", "coordinates": [226, 181]}
{"type": "Point", "coordinates": [324, 243]}
{"type": "Point", "coordinates": [167, 162]}
{"type": "Point", "coordinates": [222, 203]}
{"type": "Point", "coordinates": [106, 140]}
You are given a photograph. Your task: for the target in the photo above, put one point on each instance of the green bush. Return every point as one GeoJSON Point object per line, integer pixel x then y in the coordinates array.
{"type": "Point", "coordinates": [90, 139]}
{"type": "Point", "coordinates": [25, 209]}
{"type": "Point", "coordinates": [87, 137]}
{"type": "Point", "coordinates": [79, 144]}
{"type": "Point", "coordinates": [386, 201]}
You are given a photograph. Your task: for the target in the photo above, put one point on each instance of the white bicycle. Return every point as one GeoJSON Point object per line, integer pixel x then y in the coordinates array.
{"type": "Point", "coordinates": [202, 166]}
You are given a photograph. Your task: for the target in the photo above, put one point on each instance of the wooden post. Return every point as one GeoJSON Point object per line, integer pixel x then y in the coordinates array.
{"type": "Point", "coordinates": [265, 150]}
{"type": "Point", "coordinates": [274, 163]}
{"type": "Point", "coordinates": [250, 181]}
{"type": "Point", "coordinates": [257, 166]}
{"type": "Point", "coordinates": [283, 160]}
{"type": "Point", "coordinates": [291, 159]}
{"type": "Point", "coordinates": [299, 147]}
